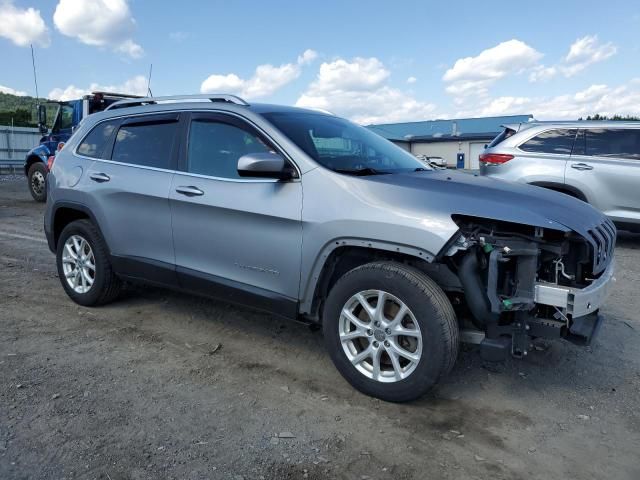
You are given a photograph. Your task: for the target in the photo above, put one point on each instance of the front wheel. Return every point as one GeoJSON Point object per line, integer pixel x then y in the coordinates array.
{"type": "Point", "coordinates": [37, 181]}
{"type": "Point", "coordinates": [390, 330]}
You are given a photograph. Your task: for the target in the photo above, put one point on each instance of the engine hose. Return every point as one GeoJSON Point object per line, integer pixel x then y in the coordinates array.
{"type": "Point", "coordinates": [474, 291]}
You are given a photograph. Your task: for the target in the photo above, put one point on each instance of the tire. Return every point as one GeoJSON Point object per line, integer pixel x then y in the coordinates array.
{"type": "Point", "coordinates": [105, 284]}
{"type": "Point", "coordinates": [431, 325]}
{"type": "Point", "coordinates": [37, 181]}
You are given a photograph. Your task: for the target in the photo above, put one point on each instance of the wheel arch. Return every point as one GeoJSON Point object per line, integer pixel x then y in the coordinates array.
{"type": "Point", "coordinates": [343, 254]}
{"type": "Point", "coordinates": [30, 160]}
{"type": "Point", "coordinates": [562, 188]}
{"type": "Point", "coordinates": [66, 212]}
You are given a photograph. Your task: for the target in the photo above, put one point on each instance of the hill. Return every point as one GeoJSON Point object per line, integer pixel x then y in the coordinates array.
{"type": "Point", "coordinates": [22, 110]}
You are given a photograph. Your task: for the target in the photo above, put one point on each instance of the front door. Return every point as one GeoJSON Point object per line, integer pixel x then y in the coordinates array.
{"type": "Point", "coordinates": [236, 238]}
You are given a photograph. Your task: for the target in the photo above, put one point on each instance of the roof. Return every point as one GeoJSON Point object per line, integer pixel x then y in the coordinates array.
{"type": "Point", "coordinates": [452, 129]}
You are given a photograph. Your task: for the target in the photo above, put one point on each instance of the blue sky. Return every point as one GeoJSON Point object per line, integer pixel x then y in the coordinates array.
{"type": "Point", "coordinates": [370, 61]}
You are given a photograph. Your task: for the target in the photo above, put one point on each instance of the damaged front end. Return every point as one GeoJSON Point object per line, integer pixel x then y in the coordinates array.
{"type": "Point", "coordinates": [523, 282]}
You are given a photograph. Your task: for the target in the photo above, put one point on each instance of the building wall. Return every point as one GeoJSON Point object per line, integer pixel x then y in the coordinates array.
{"type": "Point", "coordinates": [449, 151]}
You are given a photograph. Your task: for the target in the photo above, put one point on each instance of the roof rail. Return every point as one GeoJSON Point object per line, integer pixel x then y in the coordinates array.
{"type": "Point", "coordinates": [213, 97]}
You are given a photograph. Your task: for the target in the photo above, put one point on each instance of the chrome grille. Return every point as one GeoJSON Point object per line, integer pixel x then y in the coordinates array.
{"type": "Point", "coordinates": [603, 241]}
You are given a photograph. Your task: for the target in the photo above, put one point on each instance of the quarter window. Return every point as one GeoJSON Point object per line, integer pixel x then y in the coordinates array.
{"type": "Point", "coordinates": [552, 141]}
{"type": "Point", "coordinates": [149, 144]}
{"type": "Point", "coordinates": [94, 144]}
{"type": "Point", "coordinates": [215, 147]}
{"type": "Point", "coordinates": [620, 143]}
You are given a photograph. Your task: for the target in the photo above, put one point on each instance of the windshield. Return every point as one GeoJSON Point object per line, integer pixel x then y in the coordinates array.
{"type": "Point", "coordinates": [343, 146]}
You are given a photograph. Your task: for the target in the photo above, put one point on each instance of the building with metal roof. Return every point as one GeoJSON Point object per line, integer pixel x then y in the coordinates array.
{"type": "Point", "coordinates": [448, 138]}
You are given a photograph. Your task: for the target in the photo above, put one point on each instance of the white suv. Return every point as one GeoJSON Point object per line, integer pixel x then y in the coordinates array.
{"type": "Point", "coordinates": [597, 162]}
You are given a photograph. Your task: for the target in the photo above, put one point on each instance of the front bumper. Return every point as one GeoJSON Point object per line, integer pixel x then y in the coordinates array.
{"type": "Point", "coordinates": [577, 302]}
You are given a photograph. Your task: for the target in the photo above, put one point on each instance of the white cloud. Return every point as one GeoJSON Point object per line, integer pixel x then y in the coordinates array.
{"type": "Point", "coordinates": [474, 75]}
{"type": "Point", "coordinates": [135, 86]}
{"type": "Point", "coordinates": [101, 23]}
{"type": "Point", "coordinates": [412, 80]}
{"type": "Point", "coordinates": [357, 89]}
{"type": "Point", "coordinates": [621, 100]}
{"type": "Point", "coordinates": [583, 52]}
{"type": "Point", "coordinates": [586, 51]}
{"type": "Point", "coordinates": [542, 73]}
{"type": "Point", "coordinates": [12, 91]}
{"type": "Point", "coordinates": [265, 81]}
{"type": "Point", "coordinates": [22, 26]}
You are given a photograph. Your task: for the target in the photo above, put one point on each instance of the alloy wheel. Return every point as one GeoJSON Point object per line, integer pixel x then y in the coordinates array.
{"type": "Point", "coordinates": [380, 336]}
{"type": "Point", "coordinates": [78, 264]}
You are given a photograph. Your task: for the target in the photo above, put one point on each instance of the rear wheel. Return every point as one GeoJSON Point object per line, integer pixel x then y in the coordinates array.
{"type": "Point", "coordinates": [83, 265]}
{"type": "Point", "coordinates": [390, 330]}
{"type": "Point", "coordinates": [37, 181]}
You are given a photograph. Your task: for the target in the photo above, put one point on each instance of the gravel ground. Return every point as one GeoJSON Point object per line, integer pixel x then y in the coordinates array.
{"type": "Point", "coordinates": [166, 385]}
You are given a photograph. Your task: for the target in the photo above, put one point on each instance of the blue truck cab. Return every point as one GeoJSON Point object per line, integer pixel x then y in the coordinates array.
{"type": "Point", "coordinates": [68, 116]}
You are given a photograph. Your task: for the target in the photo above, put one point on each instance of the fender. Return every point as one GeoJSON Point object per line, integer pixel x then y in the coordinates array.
{"type": "Point", "coordinates": [49, 232]}
{"type": "Point", "coordinates": [40, 153]}
{"type": "Point", "coordinates": [313, 276]}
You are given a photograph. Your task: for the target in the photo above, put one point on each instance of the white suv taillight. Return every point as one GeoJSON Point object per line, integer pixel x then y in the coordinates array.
{"type": "Point", "coordinates": [494, 158]}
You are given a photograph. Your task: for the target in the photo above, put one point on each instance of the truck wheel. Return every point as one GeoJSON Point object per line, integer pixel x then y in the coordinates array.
{"type": "Point", "coordinates": [390, 330]}
{"type": "Point", "coordinates": [37, 185]}
{"type": "Point", "coordinates": [83, 265]}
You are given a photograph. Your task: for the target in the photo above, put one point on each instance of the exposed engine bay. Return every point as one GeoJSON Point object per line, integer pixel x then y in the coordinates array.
{"type": "Point", "coordinates": [521, 282]}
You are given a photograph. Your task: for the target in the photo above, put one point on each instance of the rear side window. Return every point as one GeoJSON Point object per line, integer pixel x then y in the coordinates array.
{"type": "Point", "coordinates": [620, 143]}
{"type": "Point", "coordinates": [215, 147]}
{"type": "Point", "coordinates": [149, 144]}
{"type": "Point", "coordinates": [94, 144]}
{"type": "Point", "coordinates": [552, 141]}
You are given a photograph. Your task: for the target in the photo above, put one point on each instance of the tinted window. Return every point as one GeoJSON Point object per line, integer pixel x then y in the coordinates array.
{"type": "Point", "coordinates": [343, 146]}
{"type": "Point", "coordinates": [619, 143]}
{"type": "Point", "coordinates": [93, 144]}
{"type": "Point", "coordinates": [215, 147]}
{"type": "Point", "coordinates": [148, 144]}
{"type": "Point", "coordinates": [551, 141]}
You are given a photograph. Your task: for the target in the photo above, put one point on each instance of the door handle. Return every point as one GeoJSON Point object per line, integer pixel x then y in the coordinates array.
{"type": "Point", "coordinates": [99, 177]}
{"type": "Point", "coordinates": [581, 166]}
{"type": "Point", "coordinates": [190, 191]}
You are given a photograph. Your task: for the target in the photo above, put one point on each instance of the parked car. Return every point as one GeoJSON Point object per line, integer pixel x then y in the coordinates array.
{"type": "Point", "coordinates": [308, 216]}
{"type": "Point", "coordinates": [436, 162]}
{"type": "Point", "coordinates": [597, 162]}
{"type": "Point", "coordinates": [68, 115]}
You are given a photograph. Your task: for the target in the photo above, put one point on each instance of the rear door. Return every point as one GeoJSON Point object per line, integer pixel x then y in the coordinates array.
{"type": "Point", "coordinates": [605, 166]}
{"type": "Point", "coordinates": [236, 238]}
{"type": "Point", "coordinates": [129, 190]}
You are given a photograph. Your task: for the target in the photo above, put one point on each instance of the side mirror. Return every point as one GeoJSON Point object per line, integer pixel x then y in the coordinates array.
{"type": "Point", "coordinates": [42, 118]}
{"type": "Point", "coordinates": [264, 165]}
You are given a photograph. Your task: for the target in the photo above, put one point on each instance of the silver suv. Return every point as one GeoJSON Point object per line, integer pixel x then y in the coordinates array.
{"type": "Point", "coordinates": [308, 216]}
{"type": "Point", "coordinates": [597, 162]}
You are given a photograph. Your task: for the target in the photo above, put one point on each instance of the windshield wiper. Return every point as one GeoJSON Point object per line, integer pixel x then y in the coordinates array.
{"type": "Point", "coordinates": [361, 172]}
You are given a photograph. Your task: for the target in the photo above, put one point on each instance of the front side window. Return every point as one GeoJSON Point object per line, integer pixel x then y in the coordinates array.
{"type": "Point", "coordinates": [94, 144]}
{"type": "Point", "coordinates": [64, 120]}
{"type": "Point", "coordinates": [613, 142]}
{"type": "Point", "coordinates": [215, 147]}
{"type": "Point", "coordinates": [149, 144]}
{"type": "Point", "coordinates": [342, 146]}
{"type": "Point", "coordinates": [558, 141]}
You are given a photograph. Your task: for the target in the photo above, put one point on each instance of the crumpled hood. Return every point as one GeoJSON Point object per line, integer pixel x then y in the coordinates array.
{"type": "Point", "coordinates": [484, 197]}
